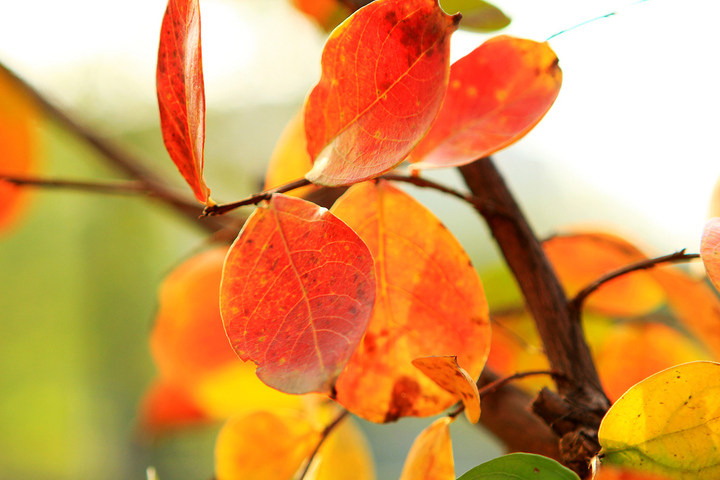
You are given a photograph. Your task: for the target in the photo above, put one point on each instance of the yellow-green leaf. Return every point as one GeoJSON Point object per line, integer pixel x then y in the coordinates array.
{"type": "Point", "coordinates": [668, 424]}
{"type": "Point", "coordinates": [478, 15]}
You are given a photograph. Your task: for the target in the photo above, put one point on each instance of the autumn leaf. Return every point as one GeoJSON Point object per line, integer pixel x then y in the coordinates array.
{"type": "Point", "coordinates": [710, 250]}
{"type": "Point", "coordinates": [344, 455]}
{"type": "Point", "coordinates": [19, 146]}
{"type": "Point", "coordinates": [609, 472]}
{"type": "Point", "coordinates": [520, 466]}
{"type": "Point", "coordinates": [384, 75]}
{"type": "Point", "coordinates": [181, 93]}
{"type": "Point", "coordinates": [431, 455]}
{"type": "Point", "coordinates": [262, 445]}
{"type": "Point", "coordinates": [296, 295]}
{"type": "Point", "coordinates": [328, 13]}
{"type": "Point", "coordinates": [668, 424]}
{"type": "Point", "coordinates": [477, 15]}
{"type": "Point", "coordinates": [429, 301]}
{"type": "Point", "coordinates": [167, 406]}
{"type": "Point", "coordinates": [496, 95]}
{"type": "Point", "coordinates": [445, 371]}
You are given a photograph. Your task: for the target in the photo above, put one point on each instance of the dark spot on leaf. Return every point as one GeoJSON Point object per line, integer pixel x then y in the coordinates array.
{"type": "Point", "coordinates": [405, 393]}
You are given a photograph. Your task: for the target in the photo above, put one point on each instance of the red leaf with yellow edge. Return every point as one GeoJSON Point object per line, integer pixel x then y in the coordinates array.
{"type": "Point", "coordinates": [580, 259]}
{"type": "Point", "coordinates": [166, 406]}
{"type": "Point", "coordinates": [264, 445]}
{"type": "Point", "coordinates": [710, 250]}
{"type": "Point", "coordinates": [496, 95]}
{"type": "Point", "coordinates": [431, 455]}
{"type": "Point", "coordinates": [290, 159]}
{"type": "Point", "coordinates": [429, 302]}
{"type": "Point", "coordinates": [296, 295]}
{"type": "Point", "coordinates": [19, 143]}
{"type": "Point", "coordinates": [384, 75]}
{"type": "Point", "coordinates": [181, 92]}
{"type": "Point", "coordinates": [445, 371]}
{"type": "Point", "coordinates": [631, 352]}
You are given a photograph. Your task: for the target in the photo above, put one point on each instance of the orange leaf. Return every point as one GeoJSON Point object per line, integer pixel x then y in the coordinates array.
{"type": "Point", "coordinates": [496, 95]}
{"type": "Point", "coordinates": [609, 472]}
{"type": "Point", "coordinates": [328, 13]}
{"type": "Point", "coordinates": [580, 259]}
{"type": "Point", "coordinates": [384, 75]}
{"type": "Point", "coordinates": [290, 159]}
{"type": "Point", "coordinates": [344, 455]}
{"type": "Point", "coordinates": [264, 445]}
{"type": "Point", "coordinates": [710, 250]}
{"type": "Point", "coordinates": [19, 144]}
{"type": "Point", "coordinates": [166, 406]}
{"type": "Point", "coordinates": [431, 455]}
{"type": "Point", "coordinates": [429, 302]}
{"type": "Point", "coordinates": [181, 92]}
{"type": "Point", "coordinates": [296, 295]}
{"type": "Point", "coordinates": [445, 371]}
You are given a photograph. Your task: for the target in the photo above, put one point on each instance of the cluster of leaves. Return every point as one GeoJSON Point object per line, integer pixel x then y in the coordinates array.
{"type": "Point", "coordinates": [372, 307]}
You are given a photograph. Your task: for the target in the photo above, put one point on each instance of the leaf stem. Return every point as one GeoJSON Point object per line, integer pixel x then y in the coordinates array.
{"type": "Point", "coordinates": [331, 426]}
{"type": "Point", "coordinates": [223, 208]}
{"type": "Point", "coordinates": [680, 256]}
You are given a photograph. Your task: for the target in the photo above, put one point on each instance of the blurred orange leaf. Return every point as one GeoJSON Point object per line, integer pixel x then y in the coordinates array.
{"type": "Point", "coordinates": [328, 13]}
{"type": "Point", "coordinates": [429, 302]}
{"type": "Point", "coordinates": [264, 445]}
{"type": "Point", "coordinates": [344, 455]}
{"type": "Point", "coordinates": [181, 92]}
{"type": "Point", "coordinates": [431, 455]}
{"type": "Point", "coordinates": [373, 104]}
{"type": "Point", "coordinates": [445, 371]}
{"type": "Point", "coordinates": [296, 295]}
{"type": "Point", "coordinates": [19, 145]}
{"type": "Point", "coordinates": [710, 250]}
{"type": "Point", "coordinates": [167, 406]}
{"type": "Point", "coordinates": [496, 95]}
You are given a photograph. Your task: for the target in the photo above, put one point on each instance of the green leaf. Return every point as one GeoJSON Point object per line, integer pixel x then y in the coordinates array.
{"type": "Point", "coordinates": [520, 466]}
{"type": "Point", "coordinates": [478, 16]}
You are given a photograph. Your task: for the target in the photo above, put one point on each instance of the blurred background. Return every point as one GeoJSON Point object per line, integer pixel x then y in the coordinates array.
{"type": "Point", "coordinates": [630, 146]}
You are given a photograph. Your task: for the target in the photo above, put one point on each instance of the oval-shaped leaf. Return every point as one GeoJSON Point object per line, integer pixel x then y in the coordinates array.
{"type": "Point", "coordinates": [496, 95]}
{"type": "Point", "coordinates": [478, 16]}
{"type": "Point", "coordinates": [445, 371]}
{"type": "Point", "coordinates": [520, 466]}
{"type": "Point", "coordinates": [668, 424]}
{"type": "Point", "coordinates": [384, 75]}
{"type": "Point", "coordinates": [297, 293]}
{"type": "Point", "coordinates": [429, 302]}
{"type": "Point", "coordinates": [431, 455]}
{"type": "Point", "coordinates": [181, 92]}
{"type": "Point", "coordinates": [344, 455]}
{"type": "Point", "coordinates": [710, 250]}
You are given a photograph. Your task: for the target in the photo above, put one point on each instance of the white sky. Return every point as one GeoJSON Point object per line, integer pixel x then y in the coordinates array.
{"type": "Point", "coordinates": [637, 118]}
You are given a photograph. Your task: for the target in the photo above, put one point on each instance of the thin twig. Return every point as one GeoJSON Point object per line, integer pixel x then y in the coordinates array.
{"type": "Point", "coordinates": [112, 187]}
{"type": "Point", "coordinates": [323, 436]}
{"type": "Point", "coordinates": [577, 302]}
{"type": "Point", "coordinates": [223, 208]}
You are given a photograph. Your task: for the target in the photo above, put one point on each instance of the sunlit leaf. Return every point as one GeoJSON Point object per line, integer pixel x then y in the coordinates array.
{"type": "Point", "coordinates": [668, 424]}
{"type": "Point", "coordinates": [384, 75]}
{"type": "Point", "coordinates": [181, 92]}
{"type": "Point", "coordinates": [710, 250]}
{"type": "Point", "coordinates": [431, 455]}
{"type": "Point", "coordinates": [328, 13]}
{"type": "Point", "coordinates": [496, 95]}
{"type": "Point", "coordinates": [445, 371]}
{"type": "Point", "coordinates": [580, 259]}
{"type": "Point", "coordinates": [477, 15]}
{"type": "Point", "coordinates": [296, 295]}
{"type": "Point", "coordinates": [345, 455]}
{"type": "Point", "coordinates": [609, 472]}
{"type": "Point", "coordinates": [520, 466]}
{"type": "Point", "coordinates": [19, 146]}
{"type": "Point", "coordinates": [290, 159]}
{"type": "Point", "coordinates": [429, 302]}
{"type": "Point", "coordinates": [264, 445]}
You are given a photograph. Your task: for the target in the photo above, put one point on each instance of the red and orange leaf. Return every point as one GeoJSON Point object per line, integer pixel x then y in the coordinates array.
{"type": "Point", "coordinates": [496, 95]}
{"type": "Point", "coordinates": [181, 92]}
{"type": "Point", "coordinates": [384, 74]}
{"type": "Point", "coordinates": [290, 159]}
{"type": "Point", "coordinates": [429, 302]}
{"type": "Point", "coordinates": [580, 259]}
{"type": "Point", "coordinates": [166, 406]}
{"type": "Point", "coordinates": [610, 472]}
{"type": "Point", "coordinates": [297, 293]}
{"type": "Point", "coordinates": [19, 145]}
{"type": "Point", "coordinates": [445, 371]}
{"type": "Point", "coordinates": [264, 445]}
{"type": "Point", "coordinates": [328, 13]}
{"type": "Point", "coordinates": [710, 250]}
{"type": "Point", "coordinates": [431, 455]}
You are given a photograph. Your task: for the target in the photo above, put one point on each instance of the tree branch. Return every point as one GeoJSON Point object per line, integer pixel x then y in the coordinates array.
{"type": "Point", "coordinates": [323, 436]}
{"type": "Point", "coordinates": [221, 209]}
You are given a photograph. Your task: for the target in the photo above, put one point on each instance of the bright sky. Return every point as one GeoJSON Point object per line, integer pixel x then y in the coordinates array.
{"type": "Point", "coordinates": [637, 119]}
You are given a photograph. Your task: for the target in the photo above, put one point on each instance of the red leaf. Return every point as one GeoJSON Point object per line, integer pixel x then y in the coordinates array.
{"type": "Point", "coordinates": [181, 92]}
{"type": "Point", "coordinates": [496, 95]}
{"type": "Point", "coordinates": [385, 72]}
{"type": "Point", "coordinates": [297, 292]}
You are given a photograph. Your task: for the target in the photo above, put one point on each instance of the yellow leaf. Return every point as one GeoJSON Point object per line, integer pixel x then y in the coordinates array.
{"type": "Point", "coordinates": [445, 371]}
{"type": "Point", "coordinates": [345, 455]}
{"type": "Point", "coordinates": [431, 456]}
{"type": "Point", "coordinates": [668, 424]}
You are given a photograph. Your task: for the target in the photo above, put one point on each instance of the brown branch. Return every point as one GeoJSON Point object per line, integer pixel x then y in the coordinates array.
{"type": "Point", "coordinates": [223, 208]}
{"type": "Point", "coordinates": [577, 302]}
{"type": "Point", "coordinates": [117, 157]}
{"type": "Point", "coordinates": [323, 436]}
{"type": "Point", "coordinates": [109, 187]}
